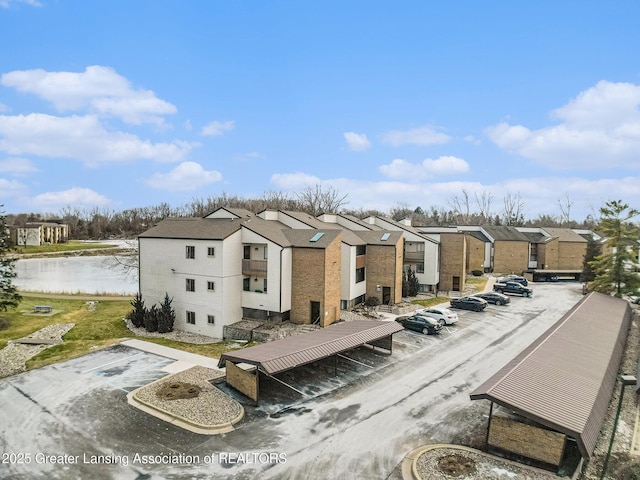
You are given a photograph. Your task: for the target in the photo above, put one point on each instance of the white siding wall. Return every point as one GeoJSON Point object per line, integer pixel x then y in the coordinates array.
{"type": "Point", "coordinates": [349, 289]}
{"type": "Point", "coordinates": [165, 268]}
{"type": "Point", "coordinates": [278, 296]}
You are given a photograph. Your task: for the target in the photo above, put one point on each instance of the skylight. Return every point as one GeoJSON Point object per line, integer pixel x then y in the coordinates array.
{"type": "Point", "coordinates": [385, 237]}
{"type": "Point", "coordinates": [317, 237]}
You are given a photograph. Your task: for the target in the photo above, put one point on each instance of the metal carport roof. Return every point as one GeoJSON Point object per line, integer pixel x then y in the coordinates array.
{"type": "Point", "coordinates": [290, 352]}
{"type": "Point", "coordinates": [565, 379]}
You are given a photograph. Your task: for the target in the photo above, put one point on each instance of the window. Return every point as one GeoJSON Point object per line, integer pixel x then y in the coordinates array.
{"type": "Point", "coordinates": [246, 284]}
{"type": "Point", "coordinates": [211, 251]}
{"type": "Point", "coordinates": [420, 268]}
{"type": "Point", "coordinates": [361, 250]}
{"type": "Point", "coordinates": [191, 285]}
{"type": "Point", "coordinates": [211, 319]}
{"type": "Point", "coordinates": [211, 286]}
{"type": "Point", "coordinates": [264, 286]}
{"type": "Point", "coordinates": [359, 275]}
{"type": "Point", "coordinates": [246, 254]}
{"type": "Point", "coordinates": [191, 317]}
{"type": "Point", "coordinates": [191, 251]}
{"type": "Point", "coordinates": [266, 249]}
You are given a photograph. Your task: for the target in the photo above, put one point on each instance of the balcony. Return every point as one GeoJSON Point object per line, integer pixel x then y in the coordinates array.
{"type": "Point", "coordinates": [256, 268]}
{"type": "Point", "coordinates": [361, 261]}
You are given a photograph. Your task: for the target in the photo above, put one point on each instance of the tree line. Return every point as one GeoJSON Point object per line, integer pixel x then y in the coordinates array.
{"type": "Point", "coordinates": [462, 209]}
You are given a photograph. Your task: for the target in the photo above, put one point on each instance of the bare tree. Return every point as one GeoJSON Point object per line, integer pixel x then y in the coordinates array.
{"type": "Point", "coordinates": [513, 213]}
{"type": "Point", "coordinates": [461, 207]}
{"type": "Point", "coordinates": [315, 200]}
{"type": "Point", "coordinates": [565, 205]}
{"type": "Point", "coordinates": [484, 202]}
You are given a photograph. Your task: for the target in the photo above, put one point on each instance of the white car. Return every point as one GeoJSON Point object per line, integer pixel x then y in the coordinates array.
{"type": "Point", "coordinates": [443, 315]}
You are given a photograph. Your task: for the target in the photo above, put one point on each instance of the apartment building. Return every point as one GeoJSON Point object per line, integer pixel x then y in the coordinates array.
{"type": "Point", "coordinates": [274, 266]}
{"type": "Point", "coordinates": [421, 252]}
{"type": "Point", "coordinates": [39, 233]}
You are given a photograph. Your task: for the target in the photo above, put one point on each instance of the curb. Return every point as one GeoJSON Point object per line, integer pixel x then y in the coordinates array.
{"type": "Point", "coordinates": [410, 471]}
{"type": "Point", "coordinates": [178, 420]}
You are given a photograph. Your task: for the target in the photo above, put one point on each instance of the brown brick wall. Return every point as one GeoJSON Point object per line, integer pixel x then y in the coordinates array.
{"type": "Point", "coordinates": [475, 253]}
{"type": "Point", "coordinates": [571, 255]}
{"type": "Point", "coordinates": [242, 381]}
{"type": "Point", "coordinates": [384, 268]}
{"type": "Point", "coordinates": [315, 277]}
{"type": "Point", "coordinates": [510, 256]}
{"type": "Point", "coordinates": [453, 251]}
{"type": "Point", "coordinates": [527, 440]}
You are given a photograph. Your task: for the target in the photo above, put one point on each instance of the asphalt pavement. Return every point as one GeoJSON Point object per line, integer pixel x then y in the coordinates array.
{"type": "Point", "coordinates": [71, 420]}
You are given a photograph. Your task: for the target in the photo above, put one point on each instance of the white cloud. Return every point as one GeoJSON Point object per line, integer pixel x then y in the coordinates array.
{"type": "Point", "coordinates": [600, 129]}
{"type": "Point", "coordinates": [18, 167]}
{"type": "Point", "coordinates": [216, 128]}
{"type": "Point", "coordinates": [415, 136]}
{"type": "Point", "coordinates": [7, 3]}
{"type": "Point", "coordinates": [11, 188]}
{"type": "Point", "coordinates": [540, 194]}
{"type": "Point", "coordinates": [77, 196]}
{"type": "Point", "coordinates": [357, 142]}
{"type": "Point", "coordinates": [99, 89]}
{"type": "Point", "coordinates": [82, 138]}
{"type": "Point", "coordinates": [400, 169]}
{"type": "Point", "coordinates": [187, 176]}
{"type": "Point", "coordinates": [293, 181]}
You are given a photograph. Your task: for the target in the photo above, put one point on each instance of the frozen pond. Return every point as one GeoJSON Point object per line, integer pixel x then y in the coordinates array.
{"type": "Point", "coordinates": [97, 274]}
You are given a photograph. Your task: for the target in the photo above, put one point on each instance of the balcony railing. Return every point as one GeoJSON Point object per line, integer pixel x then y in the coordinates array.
{"type": "Point", "coordinates": [256, 268]}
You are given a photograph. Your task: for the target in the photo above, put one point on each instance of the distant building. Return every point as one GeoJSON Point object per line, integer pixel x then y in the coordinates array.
{"type": "Point", "coordinates": [39, 233]}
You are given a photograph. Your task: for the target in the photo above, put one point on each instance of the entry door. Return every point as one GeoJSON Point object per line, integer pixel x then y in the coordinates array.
{"type": "Point", "coordinates": [315, 312]}
{"type": "Point", "coordinates": [456, 284]}
{"type": "Point", "coordinates": [386, 295]}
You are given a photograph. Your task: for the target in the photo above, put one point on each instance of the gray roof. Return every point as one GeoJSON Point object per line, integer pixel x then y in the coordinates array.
{"type": "Point", "coordinates": [565, 235]}
{"type": "Point", "coordinates": [535, 237]}
{"type": "Point", "coordinates": [503, 233]}
{"type": "Point", "coordinates": [565, 379]}
{"type": "Point", "coordinates": [193, 228]}
{"type": "Point", "coordinates": [270, 229]}
{"type": "Point", "coordinates": [302, 238]}
{"type": "Point", "coordinates": [290, 352]}
{"type": "Point", "coordinates": [376, 238]}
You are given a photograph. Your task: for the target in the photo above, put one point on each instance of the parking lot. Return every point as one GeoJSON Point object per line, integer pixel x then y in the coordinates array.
{"type": "Point", "coordinates": [71, 420]}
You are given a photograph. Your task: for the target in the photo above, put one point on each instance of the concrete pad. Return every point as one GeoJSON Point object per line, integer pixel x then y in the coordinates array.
{"type": "Point", "coordinates": [168, 352]}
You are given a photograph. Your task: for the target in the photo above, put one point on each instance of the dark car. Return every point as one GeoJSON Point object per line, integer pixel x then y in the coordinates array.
{"type": "Point", "coordinates": [493, 297]}
{"type": "Point", "coordinates": [469, 303]}
{"type": "Point", "coordinates": [426, 325]}
{"type": "Point", "coordinates": [513, 278]}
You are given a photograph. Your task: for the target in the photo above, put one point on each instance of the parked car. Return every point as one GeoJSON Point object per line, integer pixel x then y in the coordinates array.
{"type": "Point", "coordinates": [493, 297]}
{"type": "Point", "coordinates": [426, 325]}
{"type": "Point", "coordinates": [513, 278]}
{"type": "Point", "coordinates": [443, 315]}
{"type": "Point", "coordinates": [469, 303]}
{"type": "Point", "coordinates": [513, 287]}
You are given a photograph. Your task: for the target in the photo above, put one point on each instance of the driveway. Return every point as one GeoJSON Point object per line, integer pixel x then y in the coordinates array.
{"type": "Point", "coordinates": [359, 424]}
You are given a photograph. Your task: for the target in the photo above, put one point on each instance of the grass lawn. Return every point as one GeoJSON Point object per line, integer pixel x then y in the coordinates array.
{"type": "Point", "coordinates": [428, 302]}
{"type": "Point", "coordinates": [61, 247]}
{"type": "Point", "coordinates": [93, 329]}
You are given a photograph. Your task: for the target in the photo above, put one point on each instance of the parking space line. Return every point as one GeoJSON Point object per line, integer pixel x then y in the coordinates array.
{"type": "Point", "coordinates": [115, 361]}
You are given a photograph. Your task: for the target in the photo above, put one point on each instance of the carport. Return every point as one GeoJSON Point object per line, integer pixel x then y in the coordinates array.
{"type": "Point", "coordinates": [555, 394]}
{"type": "Point", "coordinates": [278, 356]}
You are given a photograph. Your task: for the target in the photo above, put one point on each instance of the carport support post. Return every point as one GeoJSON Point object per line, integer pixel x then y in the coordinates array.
{"type": "Point", "coordinates": [486, 438]}
{"type": "Point", "coordinates": [335, 365]}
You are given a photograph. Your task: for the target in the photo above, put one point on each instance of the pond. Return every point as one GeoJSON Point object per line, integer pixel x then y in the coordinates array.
{"type": "Point", "coordinates": [82, 274]}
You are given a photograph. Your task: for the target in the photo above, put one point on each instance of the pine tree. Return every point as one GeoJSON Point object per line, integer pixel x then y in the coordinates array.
{"type": "Point", "coordinates": [593, 250]}
{"type": "Point", "coordinates": [137, 314]}
{"type": "Point", "coordinates": [9, 297]}
{"type": "Point", "coordinates": [166, 315]}
{"type": "Point", "coordinates": [616, 269]}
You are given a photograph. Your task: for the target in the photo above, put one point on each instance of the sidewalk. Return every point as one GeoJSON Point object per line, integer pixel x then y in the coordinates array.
{"type": "Point", "coordinates": [184, 360]}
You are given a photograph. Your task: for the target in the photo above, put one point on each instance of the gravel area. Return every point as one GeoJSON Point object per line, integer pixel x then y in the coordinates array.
{"type": "Point", "coordinates": [14, 356]}
{"type": "Point", "coordinates": [176, 335]}
{"type": "Point", "coordinates": [487, 468]}
{"type": "Point", "coordinates": [211, 407]}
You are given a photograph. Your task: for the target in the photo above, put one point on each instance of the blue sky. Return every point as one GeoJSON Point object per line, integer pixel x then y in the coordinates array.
{"type": "Point", "coordinates": [119, 104]}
